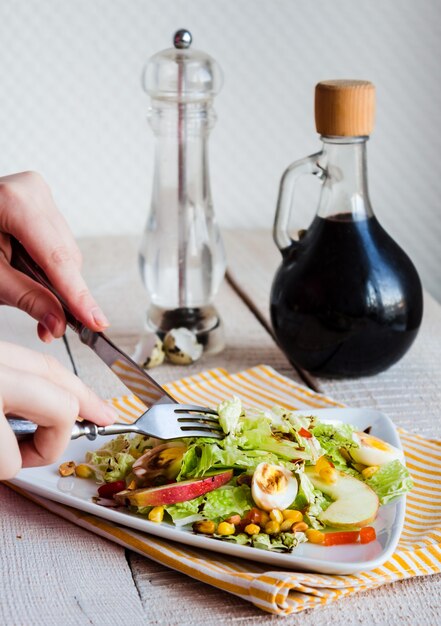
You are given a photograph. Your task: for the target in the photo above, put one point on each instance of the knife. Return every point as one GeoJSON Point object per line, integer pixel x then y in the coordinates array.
{"type": "Point", "coordinates": [132, 375]}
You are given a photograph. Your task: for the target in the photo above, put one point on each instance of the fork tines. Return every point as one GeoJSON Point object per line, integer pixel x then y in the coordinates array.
{"type": "Point", "coordinates": [201, 432]}
{"type": "Point", "coordinates": [197, 418]}
{"type": "Point", "coordinates": [200, 421]}
{"type": "Point", "coordinates": [197, 414]}
{"type": "Point", "coordinates": [192, 408]}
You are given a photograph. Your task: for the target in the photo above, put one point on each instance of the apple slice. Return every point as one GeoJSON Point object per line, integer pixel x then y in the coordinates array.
{"type": "Point", "coordinates": [355, 503]}
{"type": "Point", "coordinates": [175, 492]}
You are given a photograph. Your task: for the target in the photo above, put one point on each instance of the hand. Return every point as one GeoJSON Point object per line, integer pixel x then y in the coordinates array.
{"type": "Point", "coordinates": [28, 212]}
{"type": "Point", "coordinates": [37, 387]}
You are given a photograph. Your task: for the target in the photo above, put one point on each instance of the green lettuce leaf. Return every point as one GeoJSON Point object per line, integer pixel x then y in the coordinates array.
{"type": "Point", "coordinates": [114, 460]}
{"type": "Point", "coordinates": [390, 481]}
{"type": "Point", "coordinates": [140, 444]}
{"type": "Point", "coordinates": [185, 512]}
{"type": "Point", "coordinates": [252, 436]}
{"type": "Point", "coordinates": [226, 501]}
{"type": "Point", "coordinates": [241, 539]}
{"type": "Point", "coordinates": [141, 510]}
{"type": "Point", "coordinates": [207, 455]}
{"type": "Point", "coordinates": [229, 412]}
{"type": "Point", "coordinates": [263, 434]}
{"type": "Point", "coordinates": [285, 542]}
{"type": "Point", "coordinates": [310, 500]}
{"type": "Point", "coordinates": [332, 439]}
{"type": "Point", "coordinates": [216, 505]}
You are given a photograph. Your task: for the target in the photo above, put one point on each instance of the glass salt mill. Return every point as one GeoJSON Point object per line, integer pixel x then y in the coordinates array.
{"type": "Point", "coordinates": [182, 257]}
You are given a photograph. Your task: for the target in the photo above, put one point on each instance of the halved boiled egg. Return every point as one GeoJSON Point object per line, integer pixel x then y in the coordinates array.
{"type": "Point", "coordinates": [273, 487]}
{"type": "Point", "coordinates": [374, 451]}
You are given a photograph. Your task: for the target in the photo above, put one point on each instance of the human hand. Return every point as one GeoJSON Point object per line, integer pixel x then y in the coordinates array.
{"type": "Point", "coordinates": [37, 387]}
{"type": "Point", "coordinates": [28, 212]}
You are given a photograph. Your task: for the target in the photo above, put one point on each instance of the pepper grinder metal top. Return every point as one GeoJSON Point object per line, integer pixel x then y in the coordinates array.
{"type": "Point", "coordinates": [182, 39]}
{"type": "Point", "coordinates": [182, 257]}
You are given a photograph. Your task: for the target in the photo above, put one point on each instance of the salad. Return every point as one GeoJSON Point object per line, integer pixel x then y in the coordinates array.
{"type": "Point", "coordinates": [274, 481]}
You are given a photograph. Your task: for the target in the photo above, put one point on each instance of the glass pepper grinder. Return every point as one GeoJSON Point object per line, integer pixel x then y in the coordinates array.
{"type": "Point", "coordinates": [346, 299]}
{"type": "Point", "coordinates": [182, 257]}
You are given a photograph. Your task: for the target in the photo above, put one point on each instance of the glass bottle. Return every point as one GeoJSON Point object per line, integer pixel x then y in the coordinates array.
{"type": "Point", "coordinates": [346, 300]}
{"type": "Point", "coordinates": [182, 257]}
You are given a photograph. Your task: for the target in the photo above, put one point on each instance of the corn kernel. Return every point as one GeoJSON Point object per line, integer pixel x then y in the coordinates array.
{"type": "Point", "coordinates": [321, 463]}
{"type": "Point", "coordinates": [205, 527]}
{"type": "Point", "coordinates": [272, 527]}
{"type": "Point", "coordinates": [276, 515]}
{"type": "Point", "coordinates": [67, 469]}
{"type": "Point", "coordinates": [225, 528]}
{"type": "Point", "coordinates": [84, 471]}
{"type": "Point", "coordinates": [369, 471]}
{"type": "Point", "coordinates": [264, 518]}
{"type": "Point", "coordinates": [292, 515]}
{"type": "Point", "coordinates": [156, 514]}
{"type": "Point", "coordinates": [285, 526]}
{"type": "Point", "coordinates": [135, 453]}
{"type": "Point", "coordinates": [300, 527]}
{"type": "Point", "coordinates": [315, 536]}
{"type": "Point", "coordinates": [252, 529]}
{"type": "Point", "coordinates": [328, 474]}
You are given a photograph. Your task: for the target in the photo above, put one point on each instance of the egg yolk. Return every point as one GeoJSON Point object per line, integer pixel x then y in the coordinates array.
{"type": "Point", "coordinates": [272, 480]}
{"type": "Point", "coordinates": [373, 442]}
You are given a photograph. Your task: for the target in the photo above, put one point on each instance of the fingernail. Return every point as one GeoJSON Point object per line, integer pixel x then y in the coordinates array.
{"type": "Point", "coordinates": [109, 412]}
{"type": "Point", "coordinates": [50, 322]}
{"type": "Point", "coordinates": [99, 318]}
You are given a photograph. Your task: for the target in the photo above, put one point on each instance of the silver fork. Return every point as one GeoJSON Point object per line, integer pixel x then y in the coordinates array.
{"type": "Point", "coordinates": [163, 421]}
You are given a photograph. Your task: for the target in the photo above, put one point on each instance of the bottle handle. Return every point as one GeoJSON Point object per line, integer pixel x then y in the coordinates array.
{"type": "Point", "coordinates": [308, 165]}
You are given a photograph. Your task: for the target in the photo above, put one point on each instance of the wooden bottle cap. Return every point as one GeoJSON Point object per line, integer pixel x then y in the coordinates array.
{"type": "Point", "coordinates": [344, 108]}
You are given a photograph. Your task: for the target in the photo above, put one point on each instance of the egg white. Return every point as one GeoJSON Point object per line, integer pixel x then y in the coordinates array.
{"type": "Point", "coordinates": [374, 451]}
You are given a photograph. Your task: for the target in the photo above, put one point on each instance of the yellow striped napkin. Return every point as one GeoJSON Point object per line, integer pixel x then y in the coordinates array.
{"type": "Point", "coordinates": [284, 592]}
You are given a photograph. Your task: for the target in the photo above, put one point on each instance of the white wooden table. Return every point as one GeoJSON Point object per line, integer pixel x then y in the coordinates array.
{"type": "Point", "coordinates": [53, 573]}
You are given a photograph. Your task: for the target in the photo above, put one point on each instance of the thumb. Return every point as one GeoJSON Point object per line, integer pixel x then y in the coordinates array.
{"type": "Point", "coordinates": [20, 291]}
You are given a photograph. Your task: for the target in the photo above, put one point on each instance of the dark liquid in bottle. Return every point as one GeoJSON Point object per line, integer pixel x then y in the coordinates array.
{"type": "Point", "coordinates": [347, 300]}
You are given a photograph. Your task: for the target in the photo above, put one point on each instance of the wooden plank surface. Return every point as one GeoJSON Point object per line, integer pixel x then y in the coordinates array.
{"type": "Point", "coordinates": [63, 575]}
{"type": "Point", "coordinates": [52, 572]}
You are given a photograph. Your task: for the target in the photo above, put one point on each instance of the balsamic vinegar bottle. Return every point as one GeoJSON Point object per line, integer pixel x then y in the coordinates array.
{"type": "Point", "coordinates": [346, 300]}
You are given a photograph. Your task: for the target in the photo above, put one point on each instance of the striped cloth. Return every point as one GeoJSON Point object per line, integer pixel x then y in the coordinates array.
{"type": "Point", "coordinates": [283, 592]}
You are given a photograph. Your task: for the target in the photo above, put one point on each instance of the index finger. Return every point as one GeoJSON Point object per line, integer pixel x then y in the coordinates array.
{"type": "Point", "coordinates": [56, 258]}
{"type": "Point", "coordinates": [51, 245]}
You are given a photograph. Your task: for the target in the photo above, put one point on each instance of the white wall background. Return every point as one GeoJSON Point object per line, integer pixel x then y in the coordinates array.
{"type": "Point", "coordinates": [71, 104]}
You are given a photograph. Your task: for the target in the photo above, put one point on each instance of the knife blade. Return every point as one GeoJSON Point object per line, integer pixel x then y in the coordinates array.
{"type": "Point", "coordinates": [132, 375]}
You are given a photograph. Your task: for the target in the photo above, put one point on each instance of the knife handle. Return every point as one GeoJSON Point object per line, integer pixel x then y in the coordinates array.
{"type": "Point", "coordinates": [23, 262]}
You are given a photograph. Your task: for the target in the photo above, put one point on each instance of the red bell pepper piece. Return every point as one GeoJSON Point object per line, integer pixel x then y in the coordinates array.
{"type": "Point", "coordinates": [367, 534]}
{"type": "Point", "coordinates": [305, 433]}
{"type": "Point", "coordinates": [340, 538]}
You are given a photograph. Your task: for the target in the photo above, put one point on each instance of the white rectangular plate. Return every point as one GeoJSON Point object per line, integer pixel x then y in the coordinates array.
{"type": "Point", "coordinates": [347, 559]}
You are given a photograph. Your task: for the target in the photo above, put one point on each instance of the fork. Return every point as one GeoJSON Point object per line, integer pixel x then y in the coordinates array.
{"type": "Point", "coordinates": [188, 420]}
